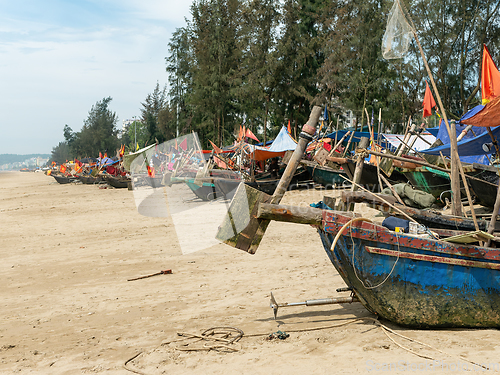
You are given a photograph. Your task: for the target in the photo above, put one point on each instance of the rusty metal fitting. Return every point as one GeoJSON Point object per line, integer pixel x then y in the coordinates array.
{"type": "Point", "coordinates": [308, 129]}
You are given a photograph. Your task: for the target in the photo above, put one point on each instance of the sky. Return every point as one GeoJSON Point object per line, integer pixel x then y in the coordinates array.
{"type": "Point", "coordinates": [59, 57]}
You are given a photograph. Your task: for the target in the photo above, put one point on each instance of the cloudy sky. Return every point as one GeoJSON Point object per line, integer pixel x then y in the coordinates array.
{"type": "Point", "coordinates": [59, 57]}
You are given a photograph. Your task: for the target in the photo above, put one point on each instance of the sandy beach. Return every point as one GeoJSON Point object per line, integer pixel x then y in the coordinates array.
{"type": "Point", "coordinates": [67, 252]}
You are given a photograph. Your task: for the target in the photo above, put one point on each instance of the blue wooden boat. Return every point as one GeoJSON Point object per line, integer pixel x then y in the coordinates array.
{"type": "Point", "coordinates": [412, 280]}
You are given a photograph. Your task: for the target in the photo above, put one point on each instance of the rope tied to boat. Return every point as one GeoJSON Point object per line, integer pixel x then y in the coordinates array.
{"type": "Point", "coordinates": [337, 237]}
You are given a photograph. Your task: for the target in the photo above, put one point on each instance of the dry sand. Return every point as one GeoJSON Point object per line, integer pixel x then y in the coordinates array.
{"type": "Point", "coordinates": [67, 307]}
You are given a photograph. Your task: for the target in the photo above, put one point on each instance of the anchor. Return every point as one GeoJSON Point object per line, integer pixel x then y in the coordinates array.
{"type": "Point", "coordinates": [313, 302]}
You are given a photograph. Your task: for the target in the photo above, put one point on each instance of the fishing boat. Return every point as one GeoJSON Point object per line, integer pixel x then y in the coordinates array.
{"type": "Point", "coordinates": [369, 174]}
{"type": "Point", "coordinates": [228, 187]}
{"type": "Point", "coordinates": [63, 179]}
{"type": "Point", "coordinates": [414, 280]}
{"type": "Point", "coordinates": [203, 188]}
{"type": "Point", "coordinates": [485, 185]}
{"type": "Point", "coordinates": [89, 179]}
{"type": "Point", "coordinates": [325, 176]}
{"type": "Point", "coordinates": [117, 182]}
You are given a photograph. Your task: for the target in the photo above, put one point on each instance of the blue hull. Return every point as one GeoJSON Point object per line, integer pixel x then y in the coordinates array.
{"type": "Point", "coordinates": [415, 281]}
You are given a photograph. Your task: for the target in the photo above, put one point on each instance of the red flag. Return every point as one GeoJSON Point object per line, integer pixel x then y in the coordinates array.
{"type": "Point", "coordinates": [249, 134]}
{"type": "Point", "coordinates": [289, 127]}
{"type": "Point", "coordinates": [216, 149]}
{"type": "Point", "coordinates": [490, 78]}
{"type": "Point", "coordinates": [429, 102]}
{"type": "Point", "coordinates": [184, 144]}
{"type": "Point", "coordinates": [151, 171]}
{"type": "Point", "coordinates": [62, 168]}
{"type": "Point", "coordinates": [100, 155]}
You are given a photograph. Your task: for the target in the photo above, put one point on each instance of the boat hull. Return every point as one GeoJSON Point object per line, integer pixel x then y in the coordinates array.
{"type": "Point", "coordinates": [413, 281]}
{"type": "Point", "coordinates": [118, 183]}
{"type": "Point", "coordinates": [369, 177]}
{"type": "Point", "coordinates": [63, 179]}
{"type": "Point", "coordinates": [327, 177]}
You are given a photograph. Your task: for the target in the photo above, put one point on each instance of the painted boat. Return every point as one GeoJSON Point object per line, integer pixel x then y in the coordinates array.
{"type": "Point", "coordinates": [206, 190]}
{"type": "Point", "coordinates": [369, 177]}
{"type": "Point", "coordinates": [438, 183]}
{"type": "Point", "coordinates": [227, 187]}
{"type": "Point", "coordinates": [90, 180]}
{"type": "Point", "coordinates": [63, 179]}
{"type": "Point", "coordinates": [485, 184]}
{"type": "Point", "coordinates": [413, 280]}
{"type": "Point", "coordinates": [326, 176]}
{"type": "Point", "coordinates": [117, 182]}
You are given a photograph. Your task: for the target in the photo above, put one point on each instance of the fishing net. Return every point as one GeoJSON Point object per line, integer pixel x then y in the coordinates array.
{"type": "Point", "coordinates": [398, 34]}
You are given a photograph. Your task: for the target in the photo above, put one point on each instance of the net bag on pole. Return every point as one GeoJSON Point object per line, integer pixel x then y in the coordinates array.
{"type": "Point", "coordinates": [398, 34]}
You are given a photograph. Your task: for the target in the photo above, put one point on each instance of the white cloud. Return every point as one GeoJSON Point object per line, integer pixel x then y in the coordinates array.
{"type": "Point", "coordinates": [52, 74]}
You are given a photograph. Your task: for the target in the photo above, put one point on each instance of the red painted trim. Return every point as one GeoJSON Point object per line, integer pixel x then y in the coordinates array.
{"type": "Point", "coordinates": [432, 258]}
{"type": "Point", "coordinates": [332, 222]}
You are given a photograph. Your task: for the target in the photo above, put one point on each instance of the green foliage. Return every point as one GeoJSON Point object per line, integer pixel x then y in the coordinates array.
{"type": "Point", "coordinates": [61, 153]}
{"type": "Point", "coordinates": [98, 134]}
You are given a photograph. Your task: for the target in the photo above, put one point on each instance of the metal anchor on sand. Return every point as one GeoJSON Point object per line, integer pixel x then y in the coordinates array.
{"type": "Point", "coordinates": [313, 302]}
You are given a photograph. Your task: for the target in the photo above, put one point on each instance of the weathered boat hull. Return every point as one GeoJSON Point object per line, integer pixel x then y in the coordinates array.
{"type": "Point", "coordinates": [414, 281]}
{"type": "Point", "coordinates": [63, 179]}
{"type": "Point", "coordinates": [207, 191]}
{"type": "Point", "coordinates": [369, 177]}
{"type": "Point", "coordinates": [327, 177]}
{"type": "Point", "coordinates": [118, 183]}
{"type": "Point", "coordinates": [90, 180]}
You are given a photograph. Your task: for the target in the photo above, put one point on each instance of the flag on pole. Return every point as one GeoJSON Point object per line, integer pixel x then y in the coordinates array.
{"type": "Point", "coordinates": [216, 149]}
{"type": "Point", "coordinates": [429, 102]}
{"type": "Point", "coordinates": [289, 127]}
{"type": "Point", "coordinates": [490, 78]}
{"type": "Point", "coordinates": [249, 134]}
{"type": "Point", "coordinates": [184, 144]}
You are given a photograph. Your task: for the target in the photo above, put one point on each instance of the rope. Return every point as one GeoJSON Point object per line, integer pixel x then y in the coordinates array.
{"type": "Point", "coordinates": [228, 331]}
{"type": "Point", "coordinates": [339, 233]}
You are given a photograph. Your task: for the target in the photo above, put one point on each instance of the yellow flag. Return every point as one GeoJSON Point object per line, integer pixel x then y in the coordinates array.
{"type": "Point", "coordinates": [137, 147]}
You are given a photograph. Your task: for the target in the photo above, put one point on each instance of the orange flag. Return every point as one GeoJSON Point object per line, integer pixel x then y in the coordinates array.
{"type": "Point", "coordinates": [216, 149]}
{"type": "Point", "coordinates": [490, 78]}
{"type": "Point", "coordinates": [62, 168]}
{"type": "Point", "coordinates": [249, 134]}
{"type": "Point", "coordinates": [429, 102]}
{"type": "Point", "coordinates": [289, 127]}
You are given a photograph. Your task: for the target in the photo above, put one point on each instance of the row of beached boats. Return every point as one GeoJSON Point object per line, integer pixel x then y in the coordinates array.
{"type": "Point", "coordinates": [419, 267]}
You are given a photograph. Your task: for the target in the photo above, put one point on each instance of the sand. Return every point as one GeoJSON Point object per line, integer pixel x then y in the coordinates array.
{"type": "Point", "coordinates": [67, 252]}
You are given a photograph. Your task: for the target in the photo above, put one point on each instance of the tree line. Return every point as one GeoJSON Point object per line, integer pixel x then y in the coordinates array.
{"type": "Point", "coordinates": [264, 63]}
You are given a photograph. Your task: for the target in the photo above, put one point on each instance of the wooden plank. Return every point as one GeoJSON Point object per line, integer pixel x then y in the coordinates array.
{"type": "Point", "coordinates": [291, 214]}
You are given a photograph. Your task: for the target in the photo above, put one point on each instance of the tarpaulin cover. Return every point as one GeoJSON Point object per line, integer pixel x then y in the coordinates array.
{"type": "Point", "coordinates": [283, 142]}
{"type": "Point", "coordinates": [470, 147]}
{"type": "Point", "coordinates": [421, 142]}
{"type": "Point", "coordinates": [489, 116]}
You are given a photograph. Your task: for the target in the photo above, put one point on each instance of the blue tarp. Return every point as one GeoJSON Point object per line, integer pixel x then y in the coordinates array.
{"type": "Point", "coordinates": [470, 147]}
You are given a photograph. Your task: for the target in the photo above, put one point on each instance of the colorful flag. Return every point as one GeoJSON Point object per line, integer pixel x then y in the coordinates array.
{"type": "Point", "coordinates": [62, 168]}
{"type": "Point", "coordinates": [429, 102]}
{"type": "Point", "coordinates": [216, 149]}
{"type": "Point", "coordinates": [490, 78]}
{"type": "Point", "coordinates": [249, 134]}
{"type": "Point", "coordinates": [151, 171]}
{"type": "Point", "coordinates": [184, 144]}
{"type": "Point", "coordinates": [289, 127]}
